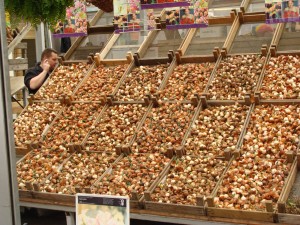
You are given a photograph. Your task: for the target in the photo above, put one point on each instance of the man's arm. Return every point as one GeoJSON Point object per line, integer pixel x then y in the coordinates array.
{"type": "Point", "coordinates": [38, 80]}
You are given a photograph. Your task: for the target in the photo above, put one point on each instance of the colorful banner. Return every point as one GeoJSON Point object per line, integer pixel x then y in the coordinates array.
{"type": "Point", "coordinates": [282, 11]}
{"type": "Point", "coordinates": [155, 4]}
{"type": "Point", "coordinates": [193, 16]}
{"type": "Point", "coordinates": [127, 15]}
{"type": "Point", "coordinates": [75, 23]}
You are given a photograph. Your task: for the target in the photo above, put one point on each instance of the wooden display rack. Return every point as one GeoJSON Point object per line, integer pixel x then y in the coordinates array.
{"type": "Point", "coordinates": [204, 210]}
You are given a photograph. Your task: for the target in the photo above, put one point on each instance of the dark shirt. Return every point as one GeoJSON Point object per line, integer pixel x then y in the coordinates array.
{"type": "Point", "coordinates": [31, 73]}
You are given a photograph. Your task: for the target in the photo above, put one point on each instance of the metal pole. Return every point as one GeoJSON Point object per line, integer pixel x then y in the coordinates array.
{"type": "Point", "coordinates": [40, 41]}
{"type": "Point", "coordinates": [9, 200]}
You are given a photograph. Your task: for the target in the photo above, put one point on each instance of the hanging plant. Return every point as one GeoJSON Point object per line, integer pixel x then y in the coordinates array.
{"type": "Point", "coordinates": [37, 11]}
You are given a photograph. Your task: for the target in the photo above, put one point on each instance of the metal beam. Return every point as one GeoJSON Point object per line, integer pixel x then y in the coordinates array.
{"type": "Point", "coordinates": [9, 200]}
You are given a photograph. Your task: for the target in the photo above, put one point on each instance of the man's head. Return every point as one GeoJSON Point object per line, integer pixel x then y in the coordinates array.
{"type": "Point", "coordinates": [51, 56]}
{"type": "Point", "coordinates": [291, 3]}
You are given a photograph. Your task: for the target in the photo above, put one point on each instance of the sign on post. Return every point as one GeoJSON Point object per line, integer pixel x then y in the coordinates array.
{"type": "Point", "coordinates": [98, 209]}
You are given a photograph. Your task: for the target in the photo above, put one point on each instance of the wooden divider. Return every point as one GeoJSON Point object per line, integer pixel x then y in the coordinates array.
{"type": "Point", "coordinates": [18, 38]}
{"type": "Point", "coordinates": [244, 5]}
{"type": "Point", "coordinates": [289, 182]}
{"type": "Point", "coordinates": [232, 33]}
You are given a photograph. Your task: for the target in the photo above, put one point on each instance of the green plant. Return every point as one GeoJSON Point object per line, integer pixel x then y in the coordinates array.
{"type": "Point", "coordinates": [37, 11]}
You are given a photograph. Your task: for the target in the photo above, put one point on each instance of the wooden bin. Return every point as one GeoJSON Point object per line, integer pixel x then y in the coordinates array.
{"type": "Point", "coordinates": [78, 146]}
{"type": "Point", "coordinates": [108, 97]}
{"type": "Point", "coordinates": [142, 62]}
{"type": "Point", "coordinates": [249, 96]}
{"type": "Point", "coordinates": [61, 94]}
{"type": "Point", "coordinates": [171, 150]}
{"type": "Point", "coordinates": [258, 96]}
{"type": "Point", "coordinates": [24, 149]}
{"type": "Point", "coordinates": [204, 103]}
{"type": "Point", "coordinates": [35, 184]}
{"type": "Point", "coordinates": [136, 201]}
{"type": "Point", "coordinates": [187, 60]}
{"type": "Point", "coordinates": [171, 208]}
{"type": "Point", "coordinates": [82, 189]}
{"type": "Point", "coordinates": [123, 147]}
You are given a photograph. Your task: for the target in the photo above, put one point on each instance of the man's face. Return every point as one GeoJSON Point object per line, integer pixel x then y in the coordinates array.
{"type": "Point", "coordinates": [291, 3]}
{"type": "Point", "coordinates": [52, 60]}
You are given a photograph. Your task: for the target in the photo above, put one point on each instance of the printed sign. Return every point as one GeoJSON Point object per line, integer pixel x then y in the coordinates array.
{"type": "Point", "coordinates": [282, 11]}
{"type": "Point", "coordinates": [193, 16]}
{"type": "Point", "coordinates": [126, 15]}
{"type": "Point", "coordinates": [75, 23]}
{"type": "Point", "coordinates": [102, 209]}
{"type": "Point", "coordinates": [155, 4]}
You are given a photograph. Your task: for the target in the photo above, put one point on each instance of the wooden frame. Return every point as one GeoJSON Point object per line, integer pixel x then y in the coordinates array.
{"type": "Point", "coordinates": [90, 69]}
{"type": "Point", "coordinates": [257, 95]}
{"type": "Point", "coordinates": [19, 38]}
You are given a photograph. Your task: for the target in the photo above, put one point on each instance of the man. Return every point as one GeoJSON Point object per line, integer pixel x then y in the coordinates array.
{"type": "Point", "coordinates": [36, 76]}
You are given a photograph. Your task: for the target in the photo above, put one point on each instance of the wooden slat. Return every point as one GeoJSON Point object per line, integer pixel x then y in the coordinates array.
{"type": "Point", "coordinates": [244, 5]}
{"type": "Point", "coordinates": [213, 74]}
{"type": "Point", "coordinates": [146, 44]}
{"type": "Point", "coordinates": [167, 75]}
{"type": "Point", "coordinates": [262, 74]}
{"type": "Point", "coordinates": [154, 61]}
{"type": "Point", "coordinates": [109, 45]}
{"type": "Point", "coordinates": [108, 29]}
{"type": "Point", "coordinates": [21, 151]}
{"type": "Point", "coordinates": [18, 39]}
{"type": "Point", "coordinates": [288, 218]}
{"type": "Point", "coordinates": [197, 59]}
{"type": "Point", "coordinates": [280, 101]}
{"type": "Point", "coordinates": [258, 17]}
{"type": "Point", "coordinates": [240, 214]}
{"type": "Point", "coordinates": [219, 20]}
{"type": "Point", "coordinates": [244, 129]}
{"type": "Point", "coordinates": [17, 61]}
{"type": "Point", "coordinates": [21, 45]}
{"type": "Point", "coordinates": [173, 208]}
{"type": "Point", "coordinates": [198, 109]}
{"type": "Point", "coordinates": [140, 124]}
{"type": "Point", "coordinates": [289, 182]}
{"type": "Point", "coordinates": [277, 34]}
{"type": "Point", "coordinates": [231, 34]}
{"type": "Point", "coordinates": [18, 64]}
{"type": "Point", "coordinates": [186, 42]}
{"type": "Point", "coordinates": [47, 198]}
